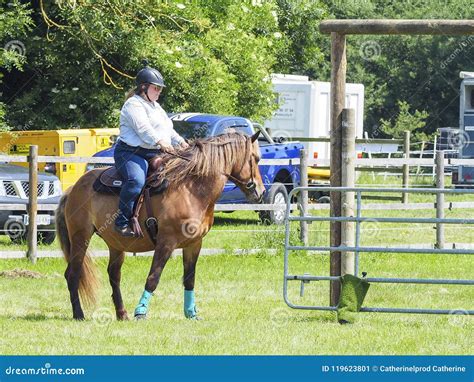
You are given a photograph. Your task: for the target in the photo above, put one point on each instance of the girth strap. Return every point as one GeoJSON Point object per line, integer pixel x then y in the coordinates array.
{"type": "Point", "coordinates": [151, 222]}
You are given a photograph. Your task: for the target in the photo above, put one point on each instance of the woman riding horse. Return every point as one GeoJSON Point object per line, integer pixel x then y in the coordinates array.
{"type": "Point", "coordinates": [145, 132]}
{"type": "Point", "coordinates": [184, 211]}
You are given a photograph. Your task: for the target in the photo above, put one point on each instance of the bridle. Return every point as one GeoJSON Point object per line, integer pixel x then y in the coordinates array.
{"type": "Point", "coordinates": [249, 186]}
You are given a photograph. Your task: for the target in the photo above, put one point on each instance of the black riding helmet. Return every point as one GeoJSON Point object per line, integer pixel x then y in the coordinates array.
{"type": "Point", "coordinates": [147, 76]}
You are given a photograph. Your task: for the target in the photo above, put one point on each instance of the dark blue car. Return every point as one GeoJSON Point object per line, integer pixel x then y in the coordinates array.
{"type": "Point", "coordinates": [278, 179]}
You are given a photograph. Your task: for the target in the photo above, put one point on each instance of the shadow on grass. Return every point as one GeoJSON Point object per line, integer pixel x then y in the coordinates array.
{"type": "Point", "coordinates": [222, 220]}
{"type": "Point", "coordinates": [31, 317]}
{"type": "Point", "coordinates": [321, 318]}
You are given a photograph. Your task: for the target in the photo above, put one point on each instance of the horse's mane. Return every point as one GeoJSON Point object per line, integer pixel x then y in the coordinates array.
{"type": "Point", "coordinates": [207, 157]}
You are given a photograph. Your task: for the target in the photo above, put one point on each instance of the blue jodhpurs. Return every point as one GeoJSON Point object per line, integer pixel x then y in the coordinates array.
{"type": "Point", "coordinates": [132, 164]}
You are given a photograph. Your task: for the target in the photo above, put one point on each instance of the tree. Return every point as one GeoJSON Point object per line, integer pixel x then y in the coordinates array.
{"type": "Point", "coordinates": [82, 58]}
{"type": "Point", "coordinates": [15, 22]}
{"type": "Point", "coordinates": [306, 49]}
{"type": "Point", "coordinates": [421, 70]}
{"type": "Point", "coordinates": [406, 121]}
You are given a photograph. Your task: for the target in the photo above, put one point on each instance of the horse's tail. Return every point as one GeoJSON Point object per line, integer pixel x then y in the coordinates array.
{"type": "Point", "coordinates": [88, 281]}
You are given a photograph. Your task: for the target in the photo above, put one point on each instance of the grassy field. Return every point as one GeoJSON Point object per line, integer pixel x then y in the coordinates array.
{"type": "Point", "coordinates": [241, 302]}
{"type": "Point", "coordinates": [240, 298]}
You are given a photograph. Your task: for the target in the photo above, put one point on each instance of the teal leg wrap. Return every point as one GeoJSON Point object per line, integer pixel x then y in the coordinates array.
{"type": "Point", "coordinates": [190, 310]}
{"type": "Point", "coordinates": [142, 307]}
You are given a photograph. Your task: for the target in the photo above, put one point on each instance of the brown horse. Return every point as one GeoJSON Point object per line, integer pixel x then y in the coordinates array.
{"type": "Point", "coordinates": [185, 212]}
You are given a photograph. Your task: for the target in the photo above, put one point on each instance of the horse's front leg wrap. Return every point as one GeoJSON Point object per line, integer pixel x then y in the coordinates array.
{"type": "Point", "coordinates": [142, 307]}
{"type": "Point", "coordinates": [190, 310]}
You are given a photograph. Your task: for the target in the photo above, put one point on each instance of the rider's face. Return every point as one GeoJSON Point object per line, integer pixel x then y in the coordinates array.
{"type": "Point", "coordinates": [154, 92]}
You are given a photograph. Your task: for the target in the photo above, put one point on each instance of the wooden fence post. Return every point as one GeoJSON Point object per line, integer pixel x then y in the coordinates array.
{"type": "Point", "coordinates": [338, 98]}
{"type": "Point", "coordinates": [406, 167]}
{"type": "Point", "coordinates": [32, 204]}
{"type": "Point", "coordinates": [348, 180]}
{"type": "Point", "coordinates": [303, 197]}
{"type": "Point", "coordinates": [439, 198]}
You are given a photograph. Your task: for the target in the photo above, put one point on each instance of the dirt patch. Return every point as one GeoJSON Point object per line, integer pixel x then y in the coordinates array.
{"type": "Point", "coordinates": [18, 273]}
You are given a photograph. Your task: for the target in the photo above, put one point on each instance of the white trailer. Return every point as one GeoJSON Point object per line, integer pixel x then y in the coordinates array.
{"type": "Point", "coordinates": [465, 142]}
{"type": "Point", "coordinates": [304, 110]}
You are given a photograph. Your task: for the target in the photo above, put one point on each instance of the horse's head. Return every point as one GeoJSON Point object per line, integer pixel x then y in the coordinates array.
{"type": "Point", "coordinates": [246, 174]}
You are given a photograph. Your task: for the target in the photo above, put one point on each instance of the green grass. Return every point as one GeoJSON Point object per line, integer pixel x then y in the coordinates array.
{"type": "Point", "coordinates": [240, 298]}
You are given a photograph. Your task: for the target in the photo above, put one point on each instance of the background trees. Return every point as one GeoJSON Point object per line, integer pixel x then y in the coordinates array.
{"type": "Point", "coordinates": [78, 58]}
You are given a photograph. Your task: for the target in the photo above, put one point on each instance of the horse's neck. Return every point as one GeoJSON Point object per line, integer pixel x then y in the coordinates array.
{"type": "Point", "coordinates": [208, 189]}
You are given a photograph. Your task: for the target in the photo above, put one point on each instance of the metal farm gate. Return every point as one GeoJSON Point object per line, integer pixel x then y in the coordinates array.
{"type": "Point", "coordinates": [357, 249]}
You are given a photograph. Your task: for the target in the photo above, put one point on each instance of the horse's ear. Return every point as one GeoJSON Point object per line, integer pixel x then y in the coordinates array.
{"type": "Point", "coordinates": [255, 136]}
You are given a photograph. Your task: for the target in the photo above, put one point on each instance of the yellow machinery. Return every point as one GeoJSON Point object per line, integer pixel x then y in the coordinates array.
{"type": "Point", "coordinates": [67, 143]}
{"type": "Point", "coordinates": [315, 173]}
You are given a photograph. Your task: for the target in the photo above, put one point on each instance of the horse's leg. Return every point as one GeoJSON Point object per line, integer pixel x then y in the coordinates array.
{"type": "Point", "coordinates": [190, 257]}
{"type": "Point", "coordinates": [160, 258]}
{"type": "Point", "coordinates": [114, 269]}
{"type": "Point", "coordinates": [73, 274]}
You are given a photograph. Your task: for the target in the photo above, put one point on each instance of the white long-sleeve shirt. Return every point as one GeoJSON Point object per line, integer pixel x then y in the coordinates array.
{"type": "Point", "coordinates": [144, 123]}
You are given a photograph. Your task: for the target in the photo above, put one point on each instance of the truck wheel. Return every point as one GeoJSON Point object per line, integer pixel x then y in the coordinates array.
{"type": "Point", "coordinates": [18, 235]}
{"type": "Point", "coordinates": [16, 231]}
{"type": "Point", "coordinates": [46, 237]}
{"type": "Point", "coordinates": [324, 199]}
{"type": "Point", "coordinates": [276, 195]}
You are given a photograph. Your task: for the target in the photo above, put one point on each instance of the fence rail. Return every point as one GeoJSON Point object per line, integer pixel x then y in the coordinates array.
{"type": "Point", "coordinates": [360, 165]}
{"type": "Point", "coordinates": [360, 162]}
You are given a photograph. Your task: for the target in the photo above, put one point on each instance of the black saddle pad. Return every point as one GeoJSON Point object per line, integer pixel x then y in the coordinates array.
{"type": "Point", "coordinates": [101, 188]}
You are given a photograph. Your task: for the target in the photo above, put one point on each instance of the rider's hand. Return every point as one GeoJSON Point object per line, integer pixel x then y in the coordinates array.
{"type": "Point", "coordinates": [166, 147]}
{"type": "Point", "coordinates": [183, 145]}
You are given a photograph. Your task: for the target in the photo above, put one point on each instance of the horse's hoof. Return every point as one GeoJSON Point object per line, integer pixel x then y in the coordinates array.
{"type": "Point", "coordinates": [123, 316]}
{"type": "Point", "coordinates": [195, 318]}
{"type": "Point", "coordinates": [139, 317]}
{"type": "Point", "coordinates": [79, 318]}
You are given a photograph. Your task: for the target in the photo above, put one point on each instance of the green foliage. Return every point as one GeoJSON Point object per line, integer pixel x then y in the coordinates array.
{"type": "Point", "coordinates": [215, 57]}
{"type": "Point", "coordinates": [422, 70]}
{"type": "Point", "coordinates": [305, 49]}
{"type": "Point", "coordinates": [406, 121]}
{"type": "Point", "coordinates": [15, 21]}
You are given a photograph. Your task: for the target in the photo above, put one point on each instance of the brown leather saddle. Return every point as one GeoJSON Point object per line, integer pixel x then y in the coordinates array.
{"type": "Point", "coordinates": [110, 182]}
